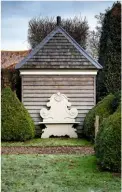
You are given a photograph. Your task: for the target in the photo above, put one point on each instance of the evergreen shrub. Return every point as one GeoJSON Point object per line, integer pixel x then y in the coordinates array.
{"type": "Point", "coordinates": [108, 143]}
{"type": "Point", "coordinates": [16, 123]}
{"type": "Point", "coordinates": [103, 109]}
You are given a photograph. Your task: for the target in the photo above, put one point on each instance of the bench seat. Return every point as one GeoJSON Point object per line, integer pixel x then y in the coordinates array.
{"type": "Point", "coordinates": [58, 122]}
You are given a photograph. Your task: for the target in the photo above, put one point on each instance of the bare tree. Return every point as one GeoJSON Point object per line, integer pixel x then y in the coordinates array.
{"type": "Point", "coordinates": [93, 43]}
{"type": "Point", "coordinates": [39, 28]}
{"type": "Point", "coordinates": [94, 37]}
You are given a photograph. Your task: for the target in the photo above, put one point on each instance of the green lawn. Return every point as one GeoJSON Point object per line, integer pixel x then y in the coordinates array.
{"type": "Point", "coordinates": [49, 142]}
{"type": "Point", "coordinates": [55, 173]}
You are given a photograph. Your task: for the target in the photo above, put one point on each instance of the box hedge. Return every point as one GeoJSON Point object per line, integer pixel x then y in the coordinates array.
{"type": "Point", "coordinates": [108, 143]}
{"type": "Point", "coordinates": [103, 109]}
{"type": "Point", "coordinates": [11, 78]}
{"type": "Point", "coordinates": [16, 123]}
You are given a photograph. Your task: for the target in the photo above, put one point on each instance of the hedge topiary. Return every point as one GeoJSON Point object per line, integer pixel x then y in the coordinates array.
{"type": "Point", "coordinates": [103, 109]}
{"type": "Point", "coordinates": [117, 100]}
{"type": "Point", "coordinates": [108, 143]}
{"type": "Point", "coordinates": [16, 123]}
{"type": "Point", "coordinates": [109, 79]}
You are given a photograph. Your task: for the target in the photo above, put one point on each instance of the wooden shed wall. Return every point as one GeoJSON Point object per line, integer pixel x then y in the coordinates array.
{"type": "Point", "coordinates": [37, 89]}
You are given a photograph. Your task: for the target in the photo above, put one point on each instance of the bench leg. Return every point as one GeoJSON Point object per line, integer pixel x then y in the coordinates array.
{"type": "Point", "coordinates": [59, 130]}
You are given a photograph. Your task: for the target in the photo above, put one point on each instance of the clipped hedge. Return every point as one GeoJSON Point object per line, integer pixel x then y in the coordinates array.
{"type": "Point", "coordinates": [11, 78]}
{"type": "Point", "coordinates": [16, 123]}
{"type": "Point", "coordinates": [103, 109]}
{"type": "Point", "coordinates": [108, 143]}
{"type": "Point", "coordinates": [116, 102]}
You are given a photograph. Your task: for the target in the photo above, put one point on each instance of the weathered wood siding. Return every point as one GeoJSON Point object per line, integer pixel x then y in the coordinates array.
{"type": "Point", "coordinates": [36, 90]}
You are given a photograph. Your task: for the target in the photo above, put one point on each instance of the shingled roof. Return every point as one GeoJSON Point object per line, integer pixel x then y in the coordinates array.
{"type": "Point", "coordinates": [58, 50]}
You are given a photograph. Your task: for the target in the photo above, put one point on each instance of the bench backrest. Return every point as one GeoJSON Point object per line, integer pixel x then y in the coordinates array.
{"type": "Point", "coordinates": [60, 110]}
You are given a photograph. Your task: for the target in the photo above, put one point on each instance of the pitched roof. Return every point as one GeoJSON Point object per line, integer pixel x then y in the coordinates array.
{"type": "Point", "coordinates": [58, 50]}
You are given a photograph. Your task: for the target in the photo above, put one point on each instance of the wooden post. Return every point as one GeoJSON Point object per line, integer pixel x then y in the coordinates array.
{"type": "Point", "coordinates": [96, 125]}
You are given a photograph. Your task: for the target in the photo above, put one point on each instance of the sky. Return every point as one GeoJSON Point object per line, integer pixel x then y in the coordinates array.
{"type": "Point", "coordinates": [15, 16]}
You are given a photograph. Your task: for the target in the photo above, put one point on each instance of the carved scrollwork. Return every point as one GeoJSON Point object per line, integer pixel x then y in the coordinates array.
{"type": "Point", "coordinates": [58, 97]}
{"type": "Point", "coordinates": [73, 112]}
{"type": "Point", "coordinates": [49, 104]}
{"type": "Point", "coordinates": [44, 113]}
{"type": "Point", "coordinates": [59, 109]}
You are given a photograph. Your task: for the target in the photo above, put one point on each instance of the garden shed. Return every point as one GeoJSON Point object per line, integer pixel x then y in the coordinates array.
{"type": "Point", "coordinates": [58, 64]}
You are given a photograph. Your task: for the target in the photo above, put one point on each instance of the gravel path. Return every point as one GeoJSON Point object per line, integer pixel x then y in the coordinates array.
{"type": "Point", "coordinates": [47, 150]}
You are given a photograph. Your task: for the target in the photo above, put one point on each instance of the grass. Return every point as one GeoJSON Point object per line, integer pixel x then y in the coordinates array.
{"type": "Point", "coordinates": [49, 142]}
{"type": "Point", "coordinates": [55, 173]}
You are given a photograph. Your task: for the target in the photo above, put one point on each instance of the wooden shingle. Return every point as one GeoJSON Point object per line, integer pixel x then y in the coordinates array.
{"type": "Point", "coordinates": [58, 50]}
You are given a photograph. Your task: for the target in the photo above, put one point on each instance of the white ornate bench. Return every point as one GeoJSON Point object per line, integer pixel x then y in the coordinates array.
{"type": "Point", "coordinates": [59, 119]}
